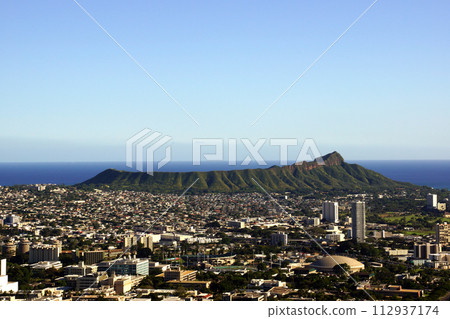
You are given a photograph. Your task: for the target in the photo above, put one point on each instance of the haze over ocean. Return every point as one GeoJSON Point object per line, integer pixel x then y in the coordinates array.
{"type": "Point", "coordinates": [433, 173]}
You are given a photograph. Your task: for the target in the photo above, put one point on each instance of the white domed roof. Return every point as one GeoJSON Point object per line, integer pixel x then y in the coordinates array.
{"type": "Point", "coordinates": [327, 263]}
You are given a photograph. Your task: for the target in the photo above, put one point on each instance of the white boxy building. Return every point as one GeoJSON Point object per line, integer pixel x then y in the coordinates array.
{"type": "Point", "coordinates": [5, 285]}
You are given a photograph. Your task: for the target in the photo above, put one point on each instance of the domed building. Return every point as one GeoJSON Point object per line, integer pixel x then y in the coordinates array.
{"type": "Point", "coordinates": [326, 264]}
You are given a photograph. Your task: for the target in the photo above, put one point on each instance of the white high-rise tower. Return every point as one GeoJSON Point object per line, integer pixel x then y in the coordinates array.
{"type": "Point", "coordinates": [359, 221]}
{"type": "Point", "coordinates": [432, 201]}
{"type": "Point", "coordinates": [330, 211]}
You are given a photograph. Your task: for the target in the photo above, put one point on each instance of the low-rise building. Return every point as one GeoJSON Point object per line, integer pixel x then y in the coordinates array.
{"type": "Point", "coordinates": [44, 265]}
{"type": "Point", "coordinates": [125, 266]}
{"type": "Point", "coordinates": [12, 220]}
{"type": "Point", "coordinates": [90, 281]}
{"type": "Point", "coordinates": [393, 290]}
{"type": "Point", "coordinates": [121, 284]}
{"type": "Point", "coordinates": [154, 265]}
{"type": "Point", "coordinates": [236, 224]}
{"type": "Point", "coordinates": [313, 221]}
{"type": "Point", "coordinates": [93, 257]}
{"type": "Point", "coordinates": [334, 234]}
{"type": "Point", "coordinates": [180, 275]}
{"type": "Point", "coordinates": [80, 269]}
{"type": "Point", "coordinates": [266, 284]}
{"type": "Point", "coordinates": [244, 296]}
{"type": "Point", "coordinates": [327, 264]}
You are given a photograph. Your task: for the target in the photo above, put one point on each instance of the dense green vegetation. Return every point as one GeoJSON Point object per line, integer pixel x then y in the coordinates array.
{"type": "Point", "coordinates": [29, 280]}
{"type": "Point", "coordinates": [335, 175]}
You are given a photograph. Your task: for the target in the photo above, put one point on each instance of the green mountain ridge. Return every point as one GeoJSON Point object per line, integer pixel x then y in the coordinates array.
{"type": "Point", "coordinates": [334, 175]}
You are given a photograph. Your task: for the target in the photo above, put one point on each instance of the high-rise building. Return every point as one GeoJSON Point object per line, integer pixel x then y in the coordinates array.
{"type": "Point", "coordinates": [146, 241]}
{"type": "Point", "coordinates": [443, 233]}
{"type": "Point", "coordinates": [330, 211]}
{"type": "Point", "coordinates": [129, 241]}
{"type": "Point", "coordinates": [279, 239]}
{"type": "Point", "coordinates": [43, 253]}
{"type": "Point", "coordinates": [423, 251]}
{"type": "Point", "coordinates": [432, 201]}
{"type": "Point", "coordinates": [358, 221]}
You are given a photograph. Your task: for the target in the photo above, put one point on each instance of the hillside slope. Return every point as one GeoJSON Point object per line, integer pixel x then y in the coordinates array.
{"type": "Point", "coordinates": [335, 175]}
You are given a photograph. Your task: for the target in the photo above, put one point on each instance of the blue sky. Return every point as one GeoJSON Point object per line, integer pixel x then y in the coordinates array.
{"type": "Point", "coordinates": [68, 93]}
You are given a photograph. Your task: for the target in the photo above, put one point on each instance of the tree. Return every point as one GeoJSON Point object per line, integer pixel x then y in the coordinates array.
{"type": "Point", "coordinates": [214, 224]}
{"type": "Point", "coordinates": [261, 266]}
{"type": "Point", "coordinates": [147, 283]}
{"type": "Point", "coordinates": [68, 259]}
{"type": "Point", "coordinates": [341, 269]}
{"type": "Point", "coordinates": [181, 292]}
{"type": "Point", "coordinates": [143, 252]}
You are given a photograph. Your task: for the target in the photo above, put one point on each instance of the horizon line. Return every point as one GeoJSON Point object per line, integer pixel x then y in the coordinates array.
{"type": "Point", "coordinates": [212, 161]}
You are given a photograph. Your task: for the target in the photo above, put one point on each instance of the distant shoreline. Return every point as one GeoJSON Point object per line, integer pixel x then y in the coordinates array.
{"type": "Point", "coordinates": [432, 173]}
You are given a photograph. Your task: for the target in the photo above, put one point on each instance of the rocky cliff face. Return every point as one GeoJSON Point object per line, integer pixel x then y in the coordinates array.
{"type": "Point", "coordinates": [332, 159]}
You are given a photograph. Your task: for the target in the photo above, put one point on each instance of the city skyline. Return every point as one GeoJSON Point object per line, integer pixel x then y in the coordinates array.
{"type": "Point", "coordinates": [286, 151]}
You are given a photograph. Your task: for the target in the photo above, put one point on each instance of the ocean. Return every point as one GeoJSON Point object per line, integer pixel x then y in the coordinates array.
{"type": "Point", "coordinates": [433, 173]}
